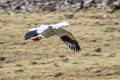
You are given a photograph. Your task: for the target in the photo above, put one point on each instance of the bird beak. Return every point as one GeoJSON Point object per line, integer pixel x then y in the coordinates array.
{"type": "Point", "coordinates": [30, 34]}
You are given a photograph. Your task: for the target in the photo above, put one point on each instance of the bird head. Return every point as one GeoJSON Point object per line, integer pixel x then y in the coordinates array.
{"type": "Point", "coordinates": [32, 34]}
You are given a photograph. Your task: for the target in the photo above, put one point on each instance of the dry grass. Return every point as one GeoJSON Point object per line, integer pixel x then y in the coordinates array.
{"type": "Point", "coordinates": [45, 60]}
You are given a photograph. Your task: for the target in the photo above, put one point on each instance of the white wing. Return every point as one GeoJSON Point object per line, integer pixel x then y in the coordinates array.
{"type": "Point", "coordinates": [69, 40]}
{"type": "Point", "coordinates": [33, 29]}
{"type": "Point", "coordinates": [42, 28]}
{"type": "Point", "coordinates": [60, 25]}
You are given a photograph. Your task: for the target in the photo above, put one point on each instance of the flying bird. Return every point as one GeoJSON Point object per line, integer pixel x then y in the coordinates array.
{"type": "Point", "coordinates": [48, 30]}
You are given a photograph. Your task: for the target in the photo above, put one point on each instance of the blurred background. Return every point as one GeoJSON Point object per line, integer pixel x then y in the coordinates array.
{"type": "Point", "coordinates": [95, 25]}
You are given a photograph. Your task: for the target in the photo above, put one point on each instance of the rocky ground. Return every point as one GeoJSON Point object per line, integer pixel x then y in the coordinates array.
{"type": "Point", "coordinates": [50, 59]}
{"type": "Point", "coordinates": [30, 6]}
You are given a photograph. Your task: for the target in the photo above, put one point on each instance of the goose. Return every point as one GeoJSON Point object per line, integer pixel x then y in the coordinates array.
{"type": "Point", "coordinates": [49, 30]}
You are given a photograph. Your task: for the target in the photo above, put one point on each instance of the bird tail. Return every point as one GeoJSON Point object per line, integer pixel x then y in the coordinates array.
{"type": "Point", "coordinates": [60, 25]}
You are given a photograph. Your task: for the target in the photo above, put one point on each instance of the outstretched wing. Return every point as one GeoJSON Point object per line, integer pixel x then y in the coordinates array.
{"type": "Point", "coordinates": [60, 25]}
{"type": "Point", "coordinates": [69, 40]}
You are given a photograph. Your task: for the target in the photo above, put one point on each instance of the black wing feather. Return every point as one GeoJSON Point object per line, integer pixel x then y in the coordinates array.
{"type": "Point", "coordinates": [73, 44]}
{"type": "Point", "coordinates": [30, 34]}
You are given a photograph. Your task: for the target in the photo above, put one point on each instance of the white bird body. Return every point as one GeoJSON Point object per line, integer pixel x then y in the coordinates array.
{"type": "Point", "coordinates": [49, 30]}
{"type": "Point", "coordinates": [46, 31]}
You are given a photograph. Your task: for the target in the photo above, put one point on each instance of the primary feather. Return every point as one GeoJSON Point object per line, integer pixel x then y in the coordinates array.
{"type": "Point", "coordinates": [69, 40]}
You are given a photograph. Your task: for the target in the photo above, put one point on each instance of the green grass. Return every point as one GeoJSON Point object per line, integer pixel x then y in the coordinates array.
{"type": "Point", "coordinates": [98, 50]}
{"type": "Point", "coordinates": [111, 29]}
{"type": "Point", "coordinates": [2, 58]}
{"type": "Point", "coordinates": [19, 65]}
{"type": "Point", "coordinates": [98, 24]}
{"type": "Point", "coordinates": [69, 15]}
{"type": "Point", "coordinates": [33, 62]}
{"type": "Point", "coordinates": [58, 74]}
{"type": "Point", "coordinates": [87, 54]}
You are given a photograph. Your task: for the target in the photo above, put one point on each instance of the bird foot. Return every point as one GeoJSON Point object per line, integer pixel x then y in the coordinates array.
{"type": "Point", "coordinates": [35, 38]}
